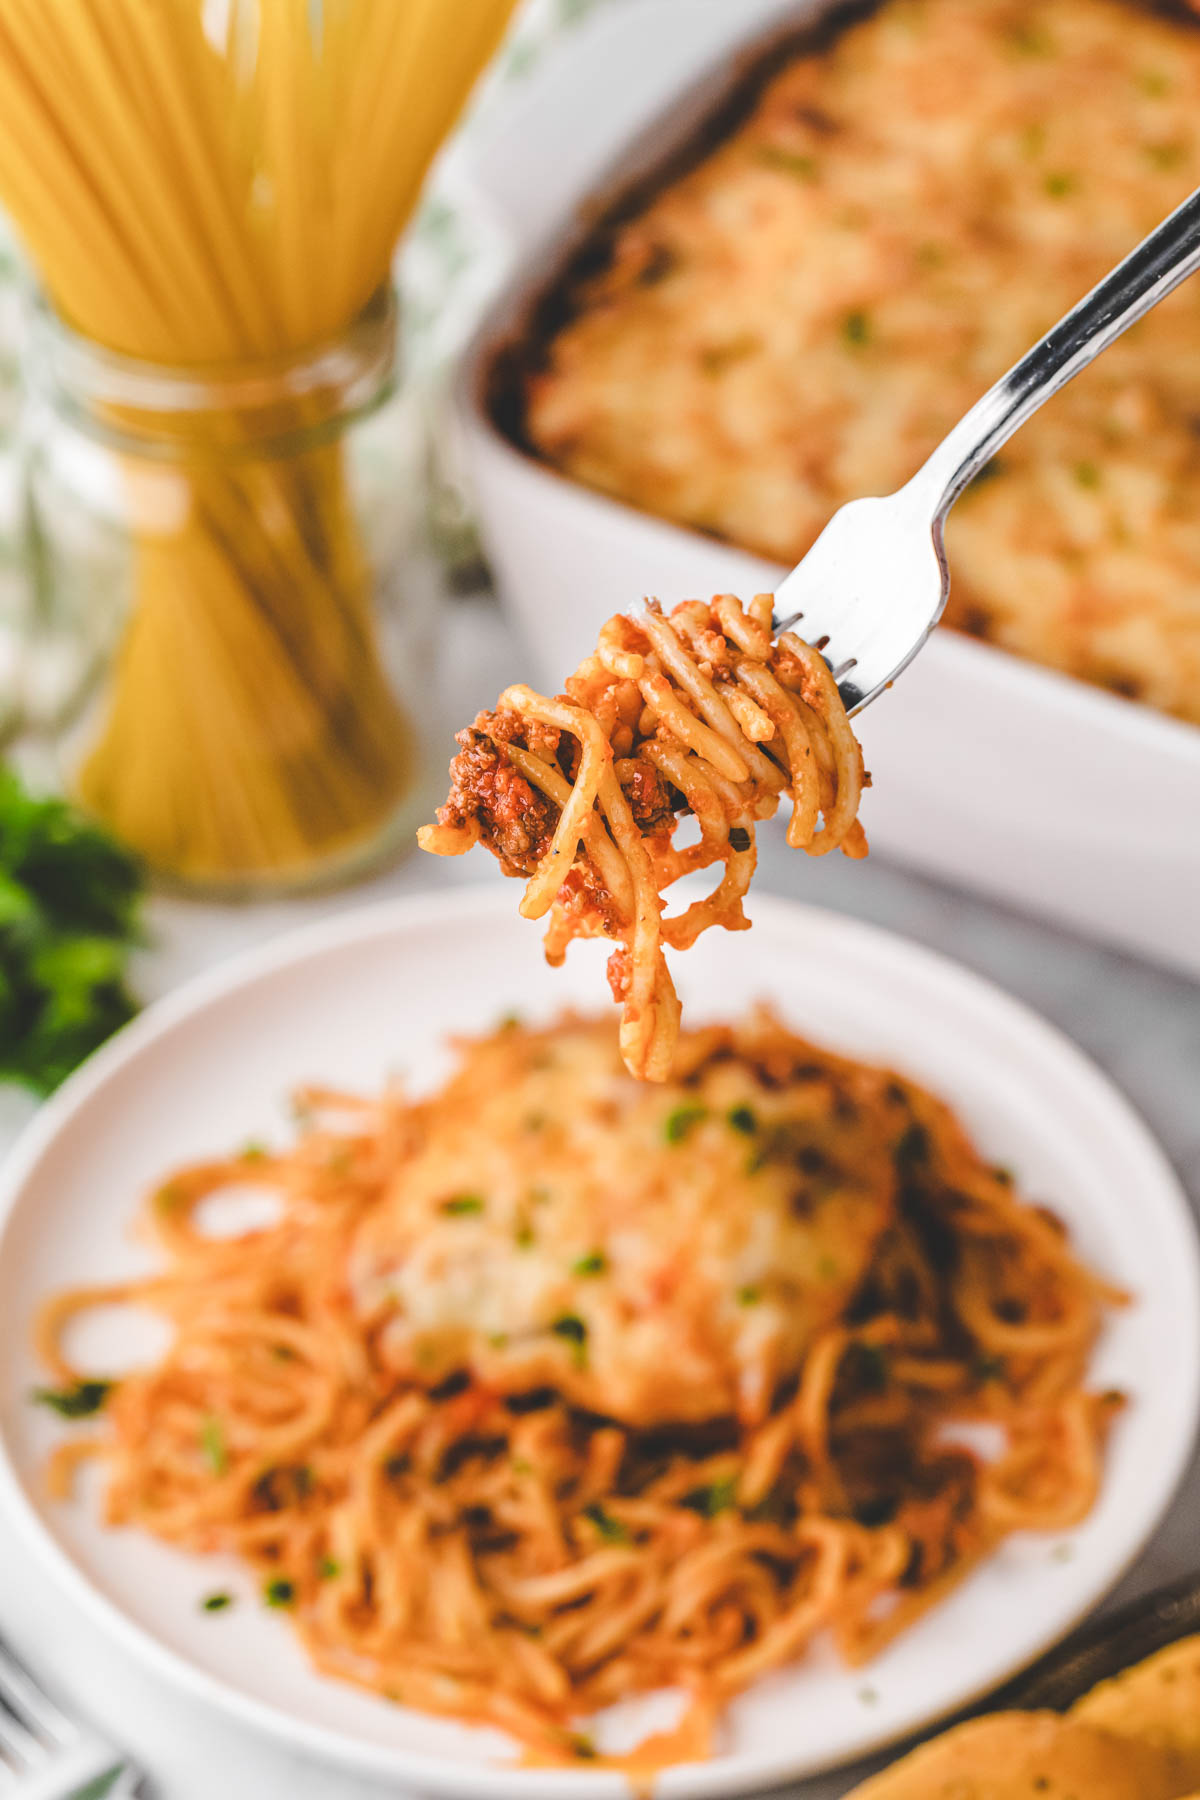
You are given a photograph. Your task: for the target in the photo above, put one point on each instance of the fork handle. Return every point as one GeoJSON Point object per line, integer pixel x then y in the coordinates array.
{"type": "Point", "coordinates": [1148, 274]}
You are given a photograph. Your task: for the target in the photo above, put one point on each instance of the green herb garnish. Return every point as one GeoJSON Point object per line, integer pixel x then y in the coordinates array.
{"type": "Point", "coordinates": [213, 1445]}
{"type": "Point", "coordinates": [68, 918]}
{"type": "Point", "coordinates": [525, 1237]}
{"type": "Point", "coordinates": [328, 1569]}
{"type": "Point", "coordinates": [78, 1402]}
{"type": "Point", "coordinates": [741, 1118]}
{"type": "Point", "coordinates": [749, 1296]}
{"type": "Point", "coordinates": [1058, 184]}
{"type": "Point", "coordinates": [279, 1592]}
{"type": "Point", "coordinates": [571, 1327]}
{"type": "Point", "coordinates": [594, 1263]}
{"type": "Point", "coordinates": [856, 328]}
{"type": "Point", "coordinates": [608, 1527]}
{"type": "Point", "coordinates": [216, 1602]}
{"type": "Point", "coordinates": [717, 1497]}
{"type": "Point", "coordinates": [789, 162]}
{"type": "Point", "coordinates": [459, 1205]}
{"type": "Point", "coordinates": [1087, 474]}
{"type": "Point", "coordinates": [678, 1123]}
{"type": "Point", "coordinates": [253, 1151]}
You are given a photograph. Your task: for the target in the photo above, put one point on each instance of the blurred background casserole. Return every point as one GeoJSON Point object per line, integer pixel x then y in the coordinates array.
{"type": "Point", "coordinates": [728, 315]}
{"type": "Point", "coordinates": [802, 317]}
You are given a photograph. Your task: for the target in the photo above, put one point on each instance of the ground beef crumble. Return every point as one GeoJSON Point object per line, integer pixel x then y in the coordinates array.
{"type": "Point", "coordinates": [517, 822]}
{"type": "Point", "coordinates": [652, 801]}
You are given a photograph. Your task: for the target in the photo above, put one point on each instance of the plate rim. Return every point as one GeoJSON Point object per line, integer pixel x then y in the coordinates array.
{"type": "Point", "coordinates": [746, 1772]}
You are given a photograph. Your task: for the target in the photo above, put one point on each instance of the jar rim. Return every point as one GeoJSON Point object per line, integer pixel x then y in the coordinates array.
{"type": "Point", "coordinates": [356, 364]}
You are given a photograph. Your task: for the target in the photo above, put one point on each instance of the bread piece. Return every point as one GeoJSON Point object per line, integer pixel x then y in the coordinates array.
{"type": "Point", "coordinates": [1026, 1756]}
{"type": "Point", "coordinates": [1157, 1702]}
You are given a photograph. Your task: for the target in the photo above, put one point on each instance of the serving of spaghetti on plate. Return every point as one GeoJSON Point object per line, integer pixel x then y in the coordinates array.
{"type": "Point", "coordinates": [772, 1411]}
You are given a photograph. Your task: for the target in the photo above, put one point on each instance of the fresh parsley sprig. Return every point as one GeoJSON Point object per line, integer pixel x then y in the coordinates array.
{"type": "Point", "coordinates": [69, 903]}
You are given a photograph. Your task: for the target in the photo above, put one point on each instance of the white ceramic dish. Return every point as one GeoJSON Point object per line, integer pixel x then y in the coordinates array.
{"type": "Point", "coordinates": [371, 990]}
{"type": "Point", "coordinates": [989, 771]}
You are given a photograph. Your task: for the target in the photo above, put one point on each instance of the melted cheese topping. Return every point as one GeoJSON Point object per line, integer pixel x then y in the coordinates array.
{"type": "Point", "coordinates": [801, 318]}
{"type": "Point", "coordinates": [655, 1253]}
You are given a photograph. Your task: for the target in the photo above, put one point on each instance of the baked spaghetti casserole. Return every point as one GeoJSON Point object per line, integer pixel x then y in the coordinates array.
{"type": "Point", "coordinates": [899, 206]}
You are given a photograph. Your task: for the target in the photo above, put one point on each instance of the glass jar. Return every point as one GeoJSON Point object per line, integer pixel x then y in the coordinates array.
{"type": "Point", "coordinates": [222, 645]}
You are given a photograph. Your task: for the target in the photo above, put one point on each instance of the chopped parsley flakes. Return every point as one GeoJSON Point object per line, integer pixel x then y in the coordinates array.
{"type": "Point", "coordinates": [679, 1122]}
{"type": "Point", "coordinates": [213, 1445]}
{"type": "Point", "coordinates": [717, 1497]}
{"type": "Point", "coordinates": [459, 1205]}
{"type": "Point", "coordinates": [608, 1527]}
{"type": "Point", "coordinates": [789, 162]}
{"type": "Point", "coordinates": [571, 1327]}
{"type": "Point", "coordinates": [78, 1402]}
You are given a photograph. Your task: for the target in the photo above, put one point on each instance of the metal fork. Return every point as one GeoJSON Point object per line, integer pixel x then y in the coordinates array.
{"type": "Point", "coordinates": [44, 1755]}
{"type": "Point", "coordinates": [875, 582]}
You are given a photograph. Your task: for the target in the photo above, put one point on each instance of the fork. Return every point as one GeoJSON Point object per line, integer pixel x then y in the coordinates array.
{"type": "Point", "coordinates": [875, 583]}
{"type": "Point", "coordinates": [44, 1755]}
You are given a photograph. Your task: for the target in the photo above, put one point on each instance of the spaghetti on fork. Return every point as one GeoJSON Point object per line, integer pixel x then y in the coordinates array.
{"type": "Point", "coordinates": [699, 711]}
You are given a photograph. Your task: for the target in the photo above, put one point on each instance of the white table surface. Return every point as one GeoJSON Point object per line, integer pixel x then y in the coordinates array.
{"type": "Point", "coordinates": [1141, 1024]}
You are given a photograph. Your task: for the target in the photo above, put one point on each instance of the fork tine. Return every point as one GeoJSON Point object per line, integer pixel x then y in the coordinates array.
{"type": "Point", "coordinates": [19, 1749]}
{"type": "Point", "coordinates": [22, 1696]}
{"type": "Point", "coordinates": [41, 1744]}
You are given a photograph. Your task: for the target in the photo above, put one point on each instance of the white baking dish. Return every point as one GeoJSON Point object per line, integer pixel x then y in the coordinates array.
{"type": "Point", "coordinates": [988, 770]}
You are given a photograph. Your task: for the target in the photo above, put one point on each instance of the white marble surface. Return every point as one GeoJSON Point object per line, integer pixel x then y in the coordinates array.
{"type": "Point", "coordinates": [1139, 1023]}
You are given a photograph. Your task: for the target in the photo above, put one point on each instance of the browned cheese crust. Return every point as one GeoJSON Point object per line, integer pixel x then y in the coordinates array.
{"type": "Point", "coordinates": [803, 316]}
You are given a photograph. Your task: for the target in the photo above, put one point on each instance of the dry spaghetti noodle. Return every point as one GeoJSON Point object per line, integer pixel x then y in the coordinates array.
{"type": "Point", "coordinates": [555, 1387]}
{"type": "Point", "coordinates": [702, 711]}
{"type": "Point", "coordinates": [218, 188]}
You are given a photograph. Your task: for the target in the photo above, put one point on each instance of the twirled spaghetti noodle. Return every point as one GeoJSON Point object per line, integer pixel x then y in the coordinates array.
{"type": "Point", "coordinates": [555, 1387]}
{"type": "Point", "coordinates": [702, 711]}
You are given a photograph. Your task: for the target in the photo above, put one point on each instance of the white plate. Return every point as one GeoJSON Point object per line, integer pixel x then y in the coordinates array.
{"type": "Point", "coordinates": [380, 988]}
